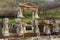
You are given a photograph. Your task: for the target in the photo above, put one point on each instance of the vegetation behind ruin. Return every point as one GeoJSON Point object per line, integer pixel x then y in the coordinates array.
{"type": "Point", "coordinates": [45, 9]}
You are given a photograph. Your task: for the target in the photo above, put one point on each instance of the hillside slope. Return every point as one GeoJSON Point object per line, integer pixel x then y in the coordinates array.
{"type": "Point", "coordinates": [8, 3]}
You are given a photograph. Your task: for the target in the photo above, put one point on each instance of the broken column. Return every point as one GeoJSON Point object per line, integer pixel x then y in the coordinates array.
{"type": "Point", "coordinates": [19, 18]}
{"type": "Point", "coordinates": [36, 21]}
{"type": "Point", "coordinates": [36, 14]}
{"type": "Point", "coordinates": [20, 14]}
{"type": "Point", "coordinates": [5, 29]}
{"type": "Point", "coordinates": [33, 13]}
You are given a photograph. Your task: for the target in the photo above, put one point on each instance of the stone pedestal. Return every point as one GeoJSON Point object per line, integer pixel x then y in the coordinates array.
{"type": "Point", "coordinates": [37, 23]}
{"type": "Point", "coordinates": [37, 29]}
{"type": "Point", "coordinates": [5, 29]}
{"type": "Point", "coordinates": [22, 32]}
{"type": "Point", "coordinates": [19, 24]}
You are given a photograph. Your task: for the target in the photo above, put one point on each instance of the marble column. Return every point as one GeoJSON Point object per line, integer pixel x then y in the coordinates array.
{"type": "Point", "coordinates": [5, 29]}
{"type": "Point", "coordinates": [22, 29]}
{"type": "Point", "coordinates": [36, 14]}
{"type": "Point", "coordinates": [19, 18]}
{"type": "Point", "coordinates": [33, 17]}
{"type": "Point", "coordinates": [33, 22]}
{"type": "Point", "coordinates": [37, 29]}
{"type": "Point", "coordinates": [20, 14]}
{"type": "Point", "coordinates": [36, 21]}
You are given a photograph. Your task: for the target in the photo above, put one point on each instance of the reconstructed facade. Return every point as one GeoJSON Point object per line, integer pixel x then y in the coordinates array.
{"type": "Point", "coordinates": [36, 28]}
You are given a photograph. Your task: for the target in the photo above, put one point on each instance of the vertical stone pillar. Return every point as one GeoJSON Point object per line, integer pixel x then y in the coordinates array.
{"type": "Point", "coordinates": [36, 14]}
{"type": "Point", "coordinates": [19, 18]}
{"type": "Point", "coordinates": [37, 29]}
{"type": "Point", "coordinates": [18, 25]}
{"type": "Point", "coordinates": [33, 22]}
{"type": "Point", "coordinates": [44, 29]}
{"type": "Point", "coordinates": [36, 21]}
{"type": "Point", "coordinates": [22, 29]}
{"type": "Point", "coordinates": [20, 14]}
{"type": "Point", "coordinates": [33, 17]}
{"type": "Point", "coordinates": [5, 27]}
{"type": "Point", "coordinates": [18, 29]}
